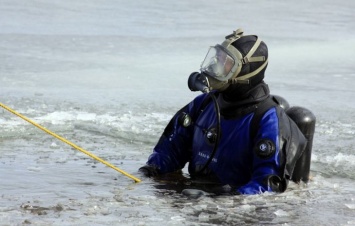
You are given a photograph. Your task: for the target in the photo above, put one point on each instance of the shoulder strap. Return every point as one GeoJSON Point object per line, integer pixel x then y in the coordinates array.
{"type": "Point", "coordinates": [262, 107]}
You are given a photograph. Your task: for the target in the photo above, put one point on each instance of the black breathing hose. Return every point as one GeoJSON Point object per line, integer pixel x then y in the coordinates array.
{"type": "Point", "coordinates": [218, 115]}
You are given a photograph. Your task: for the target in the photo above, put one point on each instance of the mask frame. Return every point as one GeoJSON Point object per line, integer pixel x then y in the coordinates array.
{"type": "Point", "coordinates": [215, 64]}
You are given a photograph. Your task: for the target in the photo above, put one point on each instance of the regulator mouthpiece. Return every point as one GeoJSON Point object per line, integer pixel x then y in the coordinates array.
{"type": "Point", "coordinates": [198, 82]}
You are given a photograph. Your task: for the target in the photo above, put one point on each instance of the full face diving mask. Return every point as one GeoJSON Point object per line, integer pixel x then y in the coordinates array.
{"type": "Point", "coordinates": [224, 62]}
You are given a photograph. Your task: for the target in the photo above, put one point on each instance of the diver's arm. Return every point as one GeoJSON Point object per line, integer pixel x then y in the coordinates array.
{"type": "Point", "coordinates": [267, 162]}
{"type": "Point", "coordinates": [173, 149]}
{"type": "Point", "coordinates": [171, 152]}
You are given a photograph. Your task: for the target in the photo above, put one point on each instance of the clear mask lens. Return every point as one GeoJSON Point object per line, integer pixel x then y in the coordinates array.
{"type": "Point", "coordinates": [217, 63]}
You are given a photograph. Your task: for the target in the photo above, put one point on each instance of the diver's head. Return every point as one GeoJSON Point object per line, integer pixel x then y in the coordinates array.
{"type": "Point", "coordinates": [240, 59]}
{"type": "Point", "coordinates": [254, 61]}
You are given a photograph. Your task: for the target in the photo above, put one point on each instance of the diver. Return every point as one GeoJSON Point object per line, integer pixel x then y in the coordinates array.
{"type": "Point", "coordinates": [236, 134]}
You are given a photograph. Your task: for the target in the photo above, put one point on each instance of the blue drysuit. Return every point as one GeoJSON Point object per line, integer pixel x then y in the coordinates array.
{"type": "Point", "coordinates": [251, 164]}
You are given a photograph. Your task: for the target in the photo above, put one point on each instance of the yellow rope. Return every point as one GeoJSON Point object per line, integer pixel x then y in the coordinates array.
{"type": "Point", "coordinates": [70, 143]}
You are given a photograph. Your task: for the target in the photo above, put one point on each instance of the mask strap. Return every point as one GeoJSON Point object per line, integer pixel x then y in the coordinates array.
{"type": "Point", "coordinates": [244, 78]}
{"type": "Point", "coordinates": [233, 37]}
{"type": "Point", "coordinates": [248, 58]}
